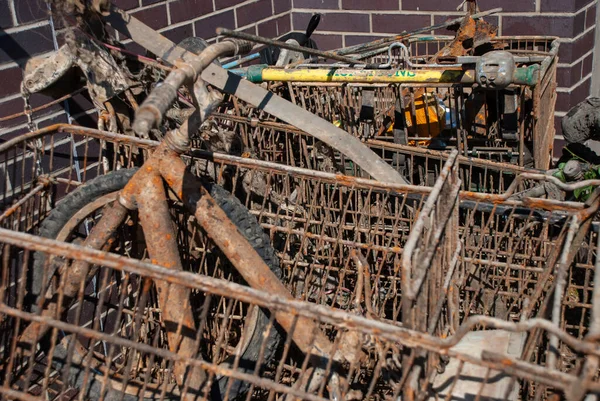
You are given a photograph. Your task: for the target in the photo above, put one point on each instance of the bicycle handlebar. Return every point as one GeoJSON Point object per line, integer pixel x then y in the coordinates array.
{"type": "Point", "coordinates": [153, 109]}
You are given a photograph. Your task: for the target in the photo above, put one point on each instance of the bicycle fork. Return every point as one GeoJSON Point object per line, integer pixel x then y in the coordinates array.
{"type": "Point", "coordinates": [146, 193]}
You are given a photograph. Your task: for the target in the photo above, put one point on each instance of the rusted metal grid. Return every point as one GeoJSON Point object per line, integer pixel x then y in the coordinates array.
{"type": "Point", "coordinates": [260, 136]}
{"type": "Point", "coordinates": [131, 339]}
{"type": "Point", "coordinates": [466, 256]}
{"type": "Point", "coordinates": [341, 242]}
{"type": "Point", "coordinates": [511, 125]}
{"type": "Point", "coordinates": [39, 168]}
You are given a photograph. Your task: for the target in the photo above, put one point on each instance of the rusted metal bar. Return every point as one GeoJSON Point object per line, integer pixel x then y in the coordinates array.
{"type": "Point", "coordinates": [235, 247]}
{"type": "Point", "coordinates": [577, 391]}
{"type": "Point", "coordinates": [382, 42]}
{"type": "Point", "coordinates": [100, 235]}
{"type": "Point", "coordinates": [147, 188]}
{"type": "Point", "coordinates": [503, 198]}
{"type": "Point", "coordinates": [337, 317]}
{"type": "Point", "coordinates": [412, 280]}
{"type": "Point", "coordinates": [197, 364]}
{"type": "Point", "coordinates": [288, 46]}
{"type": "Point", "coordinates": [22, 201]}
{"type": "Point", "coordinates": [473, 161]}
{"type": "Point", "coordinates": [44, 106]}
{"type": "Point", "coordinates": [560, 284]}
{"type": "Point", "coordinates": [305, 309]}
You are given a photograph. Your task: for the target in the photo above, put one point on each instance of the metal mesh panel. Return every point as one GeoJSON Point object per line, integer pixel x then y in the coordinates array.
{"type": "Point", "coordinates": [403, 280]}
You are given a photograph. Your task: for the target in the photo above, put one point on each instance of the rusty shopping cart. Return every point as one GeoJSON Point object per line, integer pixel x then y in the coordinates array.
{"type": "Point", "coordinates": [408, 276]}
{"type": "Point", "coordinates": [242, 130]}
{"type": "Point", "coordinates": [436, 102]}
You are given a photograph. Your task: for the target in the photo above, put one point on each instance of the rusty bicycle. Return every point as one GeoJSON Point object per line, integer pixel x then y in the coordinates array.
{"type": "Point", "coordinates": [115, 211]}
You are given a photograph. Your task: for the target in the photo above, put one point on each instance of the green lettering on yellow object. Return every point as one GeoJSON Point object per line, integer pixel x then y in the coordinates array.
{"type": "Point", "coordinates": [405, 73]}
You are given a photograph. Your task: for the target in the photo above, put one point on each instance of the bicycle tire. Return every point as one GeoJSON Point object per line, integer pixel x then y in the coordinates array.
{"type": "Point", "coordinates": [237, 213]}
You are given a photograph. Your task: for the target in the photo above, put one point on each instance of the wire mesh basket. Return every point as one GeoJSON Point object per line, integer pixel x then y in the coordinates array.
{"type": "Point", "coordinates": [512, 125]}
{"type": "Point", "coordinates": [260, 136]}
{"type": "Point", "coordinates": [408, 283]}
{"type": "Point", "coordinates": [69, 368]}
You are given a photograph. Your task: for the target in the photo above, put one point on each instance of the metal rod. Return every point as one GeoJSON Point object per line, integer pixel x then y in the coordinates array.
{"type": "Point", "coordinates": [161, 242]}
{"type": "Point", "coordinates": [380, 42]}
{"type": "Point", "coordinates": [283, 45]}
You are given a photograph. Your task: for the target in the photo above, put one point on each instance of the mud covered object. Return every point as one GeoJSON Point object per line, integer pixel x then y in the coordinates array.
{"type": "Point", "coordinates": [104, 78]}
{"type": "Point", "coordinates": [582, 122]}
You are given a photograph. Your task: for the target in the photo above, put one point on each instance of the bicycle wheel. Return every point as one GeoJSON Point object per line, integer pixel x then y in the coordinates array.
{"type": "Point", "coordinates": [73, 218]}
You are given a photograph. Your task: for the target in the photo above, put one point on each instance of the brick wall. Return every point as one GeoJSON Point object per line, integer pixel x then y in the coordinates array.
{"type": "Point", "coordinates": [25, 30]}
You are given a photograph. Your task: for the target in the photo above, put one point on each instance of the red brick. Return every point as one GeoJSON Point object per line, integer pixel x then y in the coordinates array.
{"type": "Point", "coordinates": [538, 25]}
{"type": "Point", "coordinates": [559, 144]}
{"type": "Point", "coordinates": [320, 4]}
{"type": "Point", "coordinates": [183, 10]}
{"type": "Point", "coordinates": [126, 4]}
{"type": "Point", "coordinates": [62, 119]}
{"type": "Point", "coordinates": [567, 6]}
{"type": "Point", "coordinates": [87, 119]}
{"type": "Point", "coordinates": [566, 100]}
{"type": "Point", "coordinates": [580, 93]}
{"type": "Point", "coordinates": [439, 19]}
{"type": "Point", "coordinates": [23, 45]}
{"type": "Point", "coordinates": [80, 103]}
{"type": "Point", "coordinates": [569, 52]}
{"type": "Point", "coordinates": [220, 4]}
{"type": "Point", "coordinates": [249, 13]}
{"type": "Point", "coordinates": [351, 40]}
{"type": "Point", "coordinates": [251, 30]}
{"type": "Point", "coordinates": [393, 23]}
{"type": "Point", "coordinates": [587, 65]}
{"type": "Point", "coordinates": [511, 6]}
{"type": "Point", "coordinates": [579, 23]}
{"type": "Point", "coordinates": [179, 33]}
{"type": "Point", "coordinates": [275, 27]}
{"type": "Point", "coordinates": [568, 76]}
{"type": "Point", "coordinates": [336, 22]}
{"type": "Point", "coordinates": [30, 10]}
{"type": "Point", "coordinates": [590, 16]}
{"type": "Point", "coordinates": [7, 136]}
{"type": "Point", "coordinates": [282, 6]}
{"type": "Point", "coordinates": [579, 4]}
{"type": "Point", "coordinates": [563, 101]}
{"type": "Point", "coordinates": [428, 5]}
{"type": "Point", "coordinates": [155, 17]}
{"type": "Point", "coordinates": [558, 128]}
{"type": "Point", "coordinates": [205, 28]}
{"type": "Point", "coordinates": [148, 2]}
{"type": "Point", "coordinates": [5, 17]}
{"type": "Point", "coordinates": [11, 107]}
{"type": "Point", "coordinates": [370, 5]}
{"type": "Point", "coordinates": [327, 42]}
{"type": "Point", "coordinates": [16, 106]}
